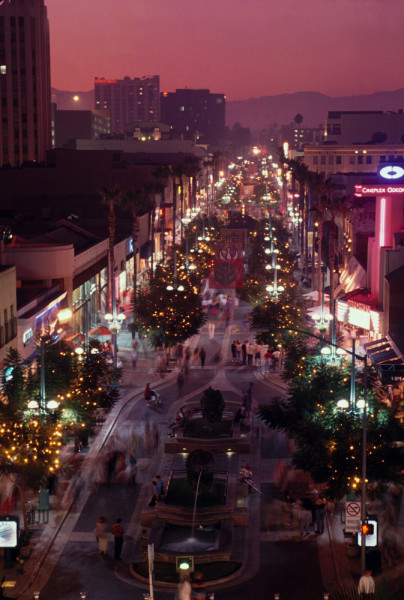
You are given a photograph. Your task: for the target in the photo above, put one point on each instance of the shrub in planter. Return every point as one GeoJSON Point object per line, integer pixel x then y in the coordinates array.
{"type": "Point", "coordinates": [212, 405]}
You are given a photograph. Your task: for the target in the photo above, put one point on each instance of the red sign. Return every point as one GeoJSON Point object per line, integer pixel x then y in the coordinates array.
{"type": "Point", "coordinates": [105, 81]}
{"type": "Point", "coordinates": [228, 251]}
{"type": "Point", "coordinates": [377, 190]}
{"type": "Point", "coordinates": [226, 274]}
{"type": "Point", "coordinates": [359, 305]}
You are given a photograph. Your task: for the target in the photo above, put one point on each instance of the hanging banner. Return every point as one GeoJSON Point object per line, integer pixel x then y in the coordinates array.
{"type": "Point", "coordinates": [227, 270]}
{"type": "Point", "coordinates": [246, 191]}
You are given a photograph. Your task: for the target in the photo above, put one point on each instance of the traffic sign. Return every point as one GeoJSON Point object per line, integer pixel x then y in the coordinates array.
{"type": "Point", "coordinates": [352, 517]}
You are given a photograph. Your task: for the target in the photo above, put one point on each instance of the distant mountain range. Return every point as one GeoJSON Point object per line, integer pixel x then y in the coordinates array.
{"type": "Point", "coordinates": [259, 113]}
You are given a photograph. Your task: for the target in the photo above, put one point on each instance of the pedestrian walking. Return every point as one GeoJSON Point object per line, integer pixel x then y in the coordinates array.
{"type": "Point", "coordinates": [202, 356]}
{"type": "Point", "coordinates": [211, 330]}
{"type": "Point", "coordinates": [366, 587]}
{"type": "Point", "coordinates": [198, 587]}
{"type": "Point", "coordinates": [101, 535]}
{"type": "Point", "coordinates": [321, 504]}
{"type": "Point", "coordinates": [118, 532]}
{"type": "Point", "coordinates": [160, 486]}
{"type": "Point", "coordinates": [195, 357]}
{"type": "Point", "coordinates": [238, 351]}
{"type": "Point", "coordinates": [268, 361]}
{"type": "Point", "coordinates": [250, 353]}
{"type": "Point", "coordinates": [257, 354]}
{"type": "Point", "coordinates": [180, 382]}
{"type": "Point", "coordinates": [184, 589]}
{"type": "Point", "coordinates": [276, 355]}
{"type": "Point", "coordinates": [233, 352]}
{"type": "Point", "coordinates": [155, 495]}
{"type": "Point", "coordinates": [244, 351]}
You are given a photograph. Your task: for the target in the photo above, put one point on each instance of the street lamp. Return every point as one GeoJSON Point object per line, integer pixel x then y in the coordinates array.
{"type": "Point", "coordinates": [114, 325]}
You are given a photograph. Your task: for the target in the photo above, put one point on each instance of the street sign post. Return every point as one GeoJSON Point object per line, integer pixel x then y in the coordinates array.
{"type": "Point", "coordinates": [352, 517]}
{"type": "Point", "coordinates": [150, 556]}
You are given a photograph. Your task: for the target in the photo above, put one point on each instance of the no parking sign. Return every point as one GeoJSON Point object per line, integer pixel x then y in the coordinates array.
{"type": "Point", "coordinates": [352, 517]}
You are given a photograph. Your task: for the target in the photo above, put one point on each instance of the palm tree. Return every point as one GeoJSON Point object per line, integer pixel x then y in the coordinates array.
{"type": "Point", "coordinates": [111, 197]}
{"type": "Point", "coordinates": [335, 205]}
{"type": "Point", "coordinates": [161, 175]}
{"type": "Point", "coordinates": [177, 174]}
{"type": "Point", "coordinates": [300, 173]}
{"type": "Point", "coordinates": [323, 191]}
{"type": "Point", "coordinates": [192, 168]}
{"type": "Point", "coordinates": [139, 203]}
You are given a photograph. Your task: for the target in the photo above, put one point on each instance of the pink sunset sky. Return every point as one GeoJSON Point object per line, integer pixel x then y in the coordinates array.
{"type": "Point", "coordinates": [242, 48]}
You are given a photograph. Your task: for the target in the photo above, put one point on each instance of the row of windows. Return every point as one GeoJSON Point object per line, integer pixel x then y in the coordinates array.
{"type": "Point", "coordinates": [359, 159]}
{"type": "Point", "coordinates": [13, 21]}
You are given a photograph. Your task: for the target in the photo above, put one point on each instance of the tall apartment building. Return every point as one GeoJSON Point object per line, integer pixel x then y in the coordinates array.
{"type": "Point", "coordinates": [128, 100]}
{"type": "Point", "coordinates": [25, 105]}
{"type": "Point", "coordinates": [194, 115]}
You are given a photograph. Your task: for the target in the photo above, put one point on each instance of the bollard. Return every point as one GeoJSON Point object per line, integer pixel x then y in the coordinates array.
{"type": "Point", "coordinates": [211, 596]}
{"type": "Point", "coordinates": [326, 595]}
{"type": "Point", "coordinates": [276, 596]}
{"type": "Point", "coordinates": [83, 596]}
{"type": "Point", "coordinates": [36, 595]}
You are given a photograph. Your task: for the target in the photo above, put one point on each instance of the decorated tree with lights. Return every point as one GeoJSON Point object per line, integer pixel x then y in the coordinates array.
{"type": "Point", "coordinates": [94, 386]}
{"type": "Point", "coordinates": [30, 441]}
{"type": "Point", "coordinates": [169, 309]}
{"type": "Point", "coordinates": [329, 440]}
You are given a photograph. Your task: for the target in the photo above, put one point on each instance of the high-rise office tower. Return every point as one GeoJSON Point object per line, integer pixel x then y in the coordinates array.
{"type": "Point", "coordinates": [25, 106]}
{"type": "Point", "coordinates": [194, 115]}
{"type": "Point", "coordinates": [128, 100]}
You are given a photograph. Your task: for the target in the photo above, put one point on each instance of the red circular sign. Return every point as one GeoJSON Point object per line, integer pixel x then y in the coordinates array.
{"type": "Point", "coordinates": [353, 509]}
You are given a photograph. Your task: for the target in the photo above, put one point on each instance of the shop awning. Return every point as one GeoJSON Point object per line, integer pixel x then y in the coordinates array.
{"type": "Point", "coordinates": [376, 346]}
{"type": "Point", "coordinates": [388, 364]}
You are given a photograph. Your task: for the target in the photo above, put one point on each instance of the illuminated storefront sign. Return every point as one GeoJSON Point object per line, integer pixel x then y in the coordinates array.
{"type": "Point", "coordinates": [27, 336]}
{"type": "Point", "coordinates": [376, 190]}
{"type": "Point", "coordinates": [358, 314]}
{"type": "Point", "coordinates": [391, 172]}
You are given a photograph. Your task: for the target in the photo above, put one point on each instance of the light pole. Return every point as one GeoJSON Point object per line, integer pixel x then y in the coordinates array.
{"type": "Point", "coordinates": [114, 325]}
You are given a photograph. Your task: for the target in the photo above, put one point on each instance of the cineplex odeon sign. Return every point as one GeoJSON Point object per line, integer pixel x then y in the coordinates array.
{"type": "Point", "coordinates": [378, 190]}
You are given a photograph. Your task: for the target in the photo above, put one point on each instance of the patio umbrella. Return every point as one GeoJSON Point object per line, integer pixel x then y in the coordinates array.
{"type": "Point", "coordinates": [100, 332]}
{"type": "Point", "coordinates": [76, 339]}
{"type": "Point", "coordinates": [314, 296]}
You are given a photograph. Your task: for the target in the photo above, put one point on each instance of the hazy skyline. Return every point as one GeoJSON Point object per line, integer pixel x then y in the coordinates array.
{"type": "Point", "coordinates": [242, 48]}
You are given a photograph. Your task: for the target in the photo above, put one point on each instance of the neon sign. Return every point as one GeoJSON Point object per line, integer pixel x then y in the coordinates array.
{"type": "Point", "coordinates": [391, 172]}
{"type": "Point", "coordinates": [376, 190]}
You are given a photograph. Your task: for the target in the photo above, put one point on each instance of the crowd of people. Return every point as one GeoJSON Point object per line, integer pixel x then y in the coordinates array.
{"type": "Point", "coordinates": [255, 355]}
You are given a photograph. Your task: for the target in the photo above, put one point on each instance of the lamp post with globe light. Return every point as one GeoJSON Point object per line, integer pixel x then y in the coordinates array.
{"type": "Point", "coordinates": [114, 325]}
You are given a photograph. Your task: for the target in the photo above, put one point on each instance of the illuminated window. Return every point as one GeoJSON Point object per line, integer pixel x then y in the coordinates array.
{"type": "Point", "coordinates": [182, 108]}
{"type": "Point", "coordinates": [3, 69]}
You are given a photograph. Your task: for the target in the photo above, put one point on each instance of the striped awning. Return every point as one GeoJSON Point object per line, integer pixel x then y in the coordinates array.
{"type": "Point", "coordinates": [385, 359]}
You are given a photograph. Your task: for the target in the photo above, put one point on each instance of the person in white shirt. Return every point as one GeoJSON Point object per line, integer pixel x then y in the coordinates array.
{"type": "Point", "coordinates": [366, 587]}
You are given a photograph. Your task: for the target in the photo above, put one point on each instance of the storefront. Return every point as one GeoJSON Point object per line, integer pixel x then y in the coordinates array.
{"type": "Point", "coordinates": [359, 311]}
